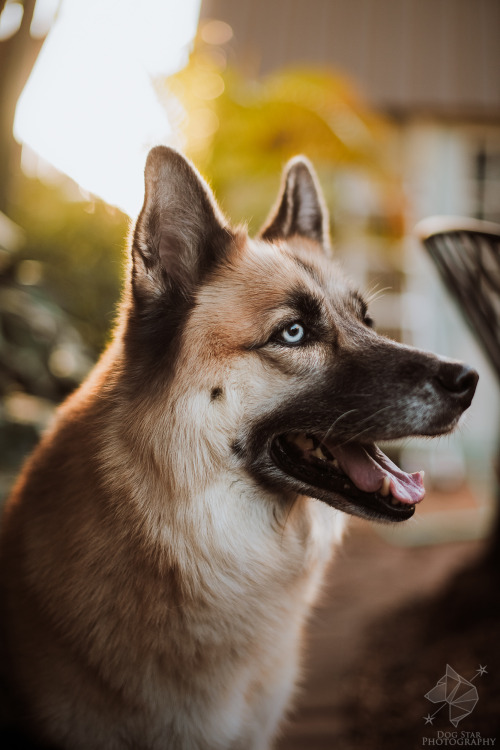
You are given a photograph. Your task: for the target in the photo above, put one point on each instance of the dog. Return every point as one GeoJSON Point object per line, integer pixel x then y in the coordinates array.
{"type": "Point", "coordinates": [166, 540]}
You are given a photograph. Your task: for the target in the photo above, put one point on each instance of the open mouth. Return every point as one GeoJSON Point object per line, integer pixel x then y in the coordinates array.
{"type": "Point", "coordinates": [355, 477]}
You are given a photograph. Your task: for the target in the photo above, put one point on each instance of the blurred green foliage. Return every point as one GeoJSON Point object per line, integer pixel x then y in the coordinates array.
{"type": "Point", "coordinates": [240, 131]}
{"type": "Point", "coordinates": [80, 246]}
{"type": "Point", "coordinates": [61, 264]}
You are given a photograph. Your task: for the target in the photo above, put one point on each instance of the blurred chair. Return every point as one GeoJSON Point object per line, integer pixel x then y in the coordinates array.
{"type": "Point", "coordinates": [467, 255]}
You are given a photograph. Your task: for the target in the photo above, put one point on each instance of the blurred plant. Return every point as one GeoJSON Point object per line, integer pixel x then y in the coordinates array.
{"type": "Point", "coordinates": [59, 283]}
{"type": "Point", "coordinates": [79, 245]}
{"type": "Point", "coordinates": [240, 131]}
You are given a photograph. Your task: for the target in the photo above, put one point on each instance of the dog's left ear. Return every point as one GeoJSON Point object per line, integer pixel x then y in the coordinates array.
{"type": "Point", "coordinates": [180, 233]}
{"type": "Point", "coordinates": [300, 209]}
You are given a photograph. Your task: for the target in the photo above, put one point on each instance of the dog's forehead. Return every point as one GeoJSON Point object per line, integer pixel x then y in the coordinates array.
{"type": "Point", "coordinates": [267, 274]}
{"type": "Point", "coordinates": [263, 284]}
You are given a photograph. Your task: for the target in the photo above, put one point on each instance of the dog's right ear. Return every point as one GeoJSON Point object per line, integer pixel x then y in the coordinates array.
{"type": "Point", "coordinates": [180, 233]}
{"type": "Point", "coordinates": [300, 209]}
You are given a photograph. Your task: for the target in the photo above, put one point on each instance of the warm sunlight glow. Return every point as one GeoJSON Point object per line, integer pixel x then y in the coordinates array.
{"type": "Point", "coordinates": [89, 107]}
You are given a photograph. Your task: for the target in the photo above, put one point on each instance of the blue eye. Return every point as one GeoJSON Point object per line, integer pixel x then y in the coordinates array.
{"type": "Point", "coordinates": [293, 333]}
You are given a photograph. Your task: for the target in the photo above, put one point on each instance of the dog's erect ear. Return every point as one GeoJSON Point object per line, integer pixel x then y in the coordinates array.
{"type": "Point", "coordinates": [300, 209]}
{"type": "Point", "coordinates": [180, 233]}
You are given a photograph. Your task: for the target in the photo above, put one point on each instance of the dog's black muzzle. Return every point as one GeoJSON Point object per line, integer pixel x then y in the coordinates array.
{"type": "Point", "coordinates": [374, 389]}
{"type": "Point", "coordinates": [388, 390]}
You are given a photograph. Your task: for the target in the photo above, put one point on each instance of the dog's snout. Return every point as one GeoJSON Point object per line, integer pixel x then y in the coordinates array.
{"type": "Point", "coordinates": [458, 380]}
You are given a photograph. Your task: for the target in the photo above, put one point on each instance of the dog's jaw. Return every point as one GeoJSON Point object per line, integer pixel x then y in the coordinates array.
{"type": "Point", "coordinates": [278, 468]}
{"type": "Point", "coordinates": [327, 481]}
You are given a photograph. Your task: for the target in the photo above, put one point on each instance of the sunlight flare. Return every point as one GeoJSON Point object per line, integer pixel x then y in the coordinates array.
{"type": "Point", "coordinates": [90, 108]}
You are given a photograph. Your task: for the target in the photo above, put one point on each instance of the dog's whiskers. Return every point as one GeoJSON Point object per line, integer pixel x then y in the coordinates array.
{"type": "Point", "coordinates": [335, 423]}
{"type": "Point", "coordinates": [355, 437]}
{"type": "Point", "coordinates": [357, 425]}
{"type": "Point", "coordinates": [373, 294]}
{"type": "Point", "coordinates": [290, 508]}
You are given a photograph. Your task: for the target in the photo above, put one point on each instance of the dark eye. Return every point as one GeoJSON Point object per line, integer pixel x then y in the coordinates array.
{"type": "Point", "coordinates": [368, 321]}
{"type": "Point", "coordinates": [293, 333]}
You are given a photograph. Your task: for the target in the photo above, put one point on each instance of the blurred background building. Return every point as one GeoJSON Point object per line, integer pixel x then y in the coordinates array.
{"type": "Point", "coordinates": [431, 66]}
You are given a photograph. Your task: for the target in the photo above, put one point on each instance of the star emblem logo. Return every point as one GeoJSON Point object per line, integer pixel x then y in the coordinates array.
{"type": "Point", "coordinates": [456, 693]}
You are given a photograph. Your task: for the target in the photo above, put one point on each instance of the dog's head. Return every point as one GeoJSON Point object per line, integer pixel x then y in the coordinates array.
{"type": "Point", "coordinates": [269, 350]}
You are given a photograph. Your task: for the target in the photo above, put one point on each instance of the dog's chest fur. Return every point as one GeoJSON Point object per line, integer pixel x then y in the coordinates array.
{"type": "Point", "coordinates": [181, 615]}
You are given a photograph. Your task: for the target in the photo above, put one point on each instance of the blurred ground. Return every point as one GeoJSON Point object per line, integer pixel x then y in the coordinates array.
{"type": "Point", "coordinates": [390, 621]}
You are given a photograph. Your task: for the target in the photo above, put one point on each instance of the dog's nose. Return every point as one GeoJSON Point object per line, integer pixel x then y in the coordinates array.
{"type": "Point", "coordinates": [458, 380]}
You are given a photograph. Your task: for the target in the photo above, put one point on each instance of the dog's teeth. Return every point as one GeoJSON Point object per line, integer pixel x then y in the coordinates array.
{"type": "Point", "coordinates": [386, 487]}
{"type": "Point", "coordinates": [422, 475]}
{"type": "Point", "coordinates": [397, 503]}
{"type": "Point", "coordinates": [318, 453]}
{"type": "Point", "coordinates": [327, 453]}
{"type": "Point", "coordinates": [305, 443]}
{"type": "Point", "coordinates": [335, 463]}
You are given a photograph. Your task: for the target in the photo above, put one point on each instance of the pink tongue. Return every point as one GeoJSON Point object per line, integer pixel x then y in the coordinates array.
{"type": "Point", "coordinates": [367, 466]}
